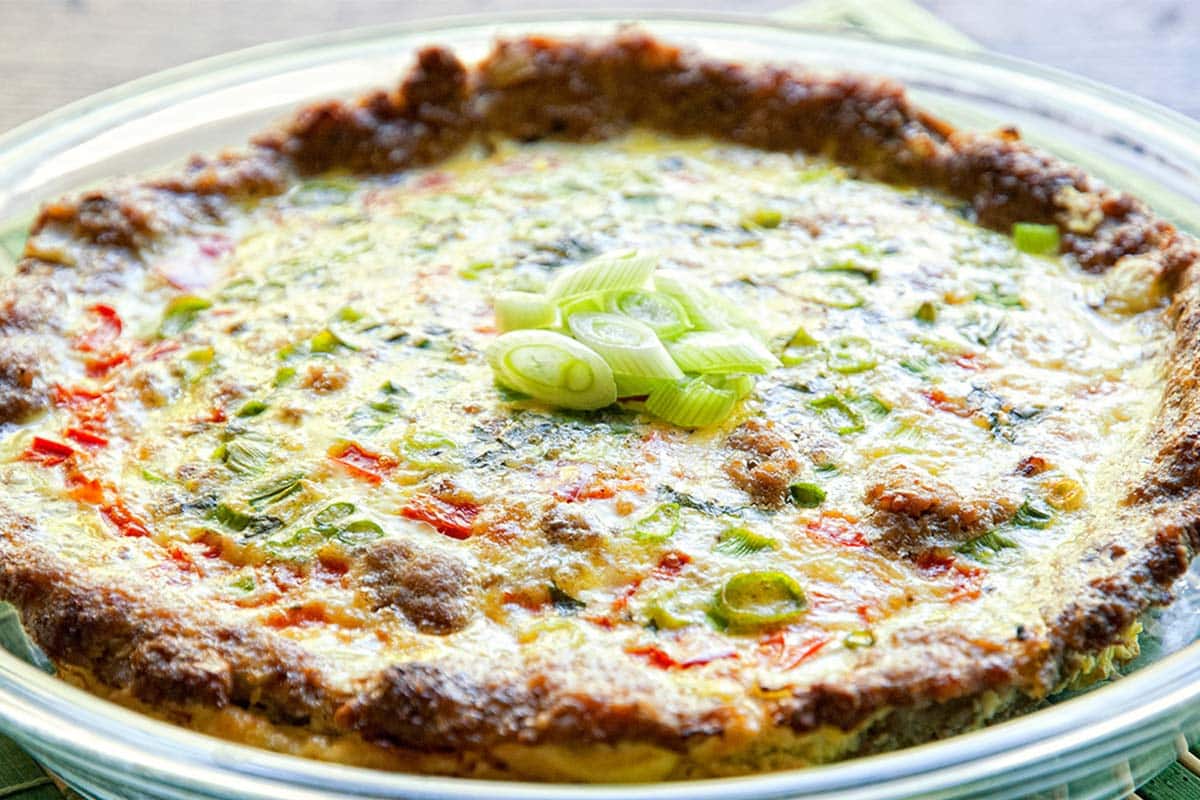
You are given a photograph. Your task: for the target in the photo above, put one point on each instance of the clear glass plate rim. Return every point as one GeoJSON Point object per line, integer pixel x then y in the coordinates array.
{"type": "Point", "coordinates": [78, 120]}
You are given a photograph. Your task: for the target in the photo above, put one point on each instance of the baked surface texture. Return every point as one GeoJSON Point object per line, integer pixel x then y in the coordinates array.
{"type": "Point", "coordinates": [259, 481]}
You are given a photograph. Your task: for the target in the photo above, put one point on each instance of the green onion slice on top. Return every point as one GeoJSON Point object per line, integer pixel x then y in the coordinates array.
{"type": "Point", "coordinates": [637, 385]}
{"type": "Point", "coordinates": [520, 310]}
{"type": "Point", "coordinates": [722, 353]}
{"type": "Point", "coordinates": [1038, 240]}
{"type": "Point", "coordinates": [553, 368]}
{"type": "Point", "coordinates": [754, 601]}
{"type": "Point", "coordinates": [691, 404]}
{"type": "Point", "coordinates": [707, 309]}
{"type": "Point", "coordinates": [628, 346]}
{"type": "Point", "coordinates": [606, 273]}
{"type": "Point", "coordinates": [659, 312]}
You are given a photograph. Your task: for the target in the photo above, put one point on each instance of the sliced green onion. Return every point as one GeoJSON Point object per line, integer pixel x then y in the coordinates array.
{"type": "Point", "coordinates": [707, 309]}
{"type": "Point", "coordinates": [838, 414]}
{"type": "Point", "coordinates": [660, 312]}
{"type": "Point", "coordinates": [850, 355]}
{"type": "Point", "coordinates": [283, 376]}
{"type": "Point", "coordinates": [181, 312]}
{"type": "Point", "coordinates": [252, 408]}
{"type": "Point", "coordinates": [738, 541]}
{"type": "Point", "coordinates": [327, 341]}
{"type": "Point", "coordinates": [520, 310]}
{"type": "Point", "coordinates": [1033, 514]}
{"type": "Point", "coordinates": [553, 368]}
{"type": "Point", "coordinates": [984, 548]}
{"type": "Point", "coordinates": [859, 639]}
{"type": "Point", "coordinates": [764, 218]}
{"type": "Point", "coordinates": [275, 491]}
{"type": "Point", "coordinates": [753, 601]}
{"type": "Point", "coordinates": [926, 312]}
{"type": "Point", "coordinates": [722, 353]}
{"type": "Point", "coordinates": [659, 525]}
{"type": "Point", "coordinates": [429, 450]}
{"type": "Point", "coordinates": [329, 519]}
{"type": "Point", "coordinates": [850, 267]}
{"type": "Point", "coordinates": [806, 495]}
{"type": "Point", "coordinates": [585, 304]}
{"type": "Point", "coordinates": [836, 294]}
{"type": "Point", "coordinates": [231, 518]}
{"type": "Point", "coordinates": [628, 346]}
{"type": "Point", "coordinates": [741, 385]}
{"type": "Point", "coordinates": [665, 614]}
{"type": "Point", "coordinates": [1038, 240]}
{"type": "Point", "coordinates": [245, 455]}
{"type": "Point", "coordinates": [637, 386]}
{"type": "Point", "coordinates": [800, 348]}
{"type": "Point", "coordinates": [694, 404]}
{"type": "Point", "coordinates": [348, 314]}
{"type": "Point", "coordinates": [604, 273]}
{"type": "Point", "coordinates": [360, 531]}
{"type": "Point", "coordinates": [295, 545]}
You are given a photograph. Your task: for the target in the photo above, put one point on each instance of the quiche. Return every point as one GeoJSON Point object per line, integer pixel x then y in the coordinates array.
{"type": "Point", "coordinates": [600, 412]}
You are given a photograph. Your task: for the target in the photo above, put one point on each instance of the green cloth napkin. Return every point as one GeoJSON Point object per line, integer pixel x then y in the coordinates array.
{"type": "Point", "coordinates": [20, 776]}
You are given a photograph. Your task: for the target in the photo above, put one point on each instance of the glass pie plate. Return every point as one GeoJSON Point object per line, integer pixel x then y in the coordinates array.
{"type": "Point", "coordinates": [1098, 745]}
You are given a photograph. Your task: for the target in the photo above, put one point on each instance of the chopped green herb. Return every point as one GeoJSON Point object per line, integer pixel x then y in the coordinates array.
{"type": "Point", "coordinates": [348, 314]}
{"type": "Point", "coordinates": [806, 495]}
{"type": "Point", "coordinates": [243, 583]}
{"type": "Point", "coordinates": [564, 604]}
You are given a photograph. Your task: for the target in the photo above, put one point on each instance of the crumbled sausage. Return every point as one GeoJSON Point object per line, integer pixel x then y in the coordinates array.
{"type": "Point", "coordinates": [571, 527]}
{"type": "Point", "coordinates": [435, 589]}
{"type": "Point", "coordinates": [22, 390]}
{"type": "Point", "coordinates": [915, 511]}
{"type": "Point", "coordinates": [763, 462]}
{"type": "Point", "coordinates": [325, 378]}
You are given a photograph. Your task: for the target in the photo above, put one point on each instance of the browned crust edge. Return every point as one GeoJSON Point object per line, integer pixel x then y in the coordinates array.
{"type": "Point", "coordinates": [533, 88]}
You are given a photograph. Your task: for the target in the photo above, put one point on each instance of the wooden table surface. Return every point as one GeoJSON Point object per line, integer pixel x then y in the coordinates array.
{"type": "Point", "coordinates": [55, 51]}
